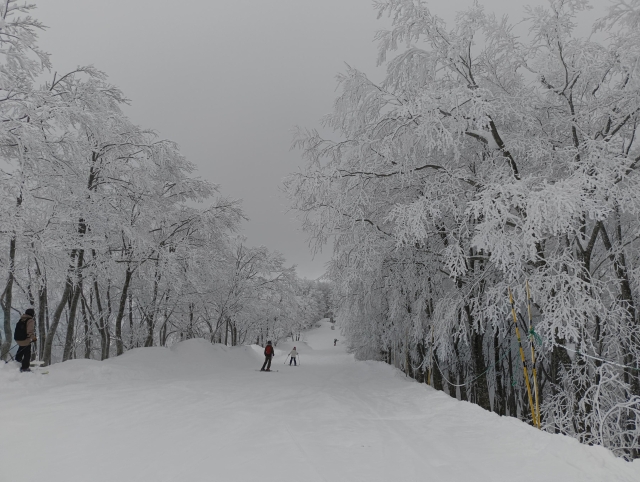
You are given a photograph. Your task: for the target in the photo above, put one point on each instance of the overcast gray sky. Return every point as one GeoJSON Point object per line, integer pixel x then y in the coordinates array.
{"type": "Point", "coordinates": [228, 80]}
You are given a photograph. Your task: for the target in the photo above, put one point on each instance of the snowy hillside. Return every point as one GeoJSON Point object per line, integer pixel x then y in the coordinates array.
{"type": "Point", "coordinates": [199, 412]}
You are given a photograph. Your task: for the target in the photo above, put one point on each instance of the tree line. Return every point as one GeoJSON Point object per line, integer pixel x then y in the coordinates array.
{"type": "Point", "coordinates": [106, 230]}
{"type": "Point", "coordinates": [485, 159]}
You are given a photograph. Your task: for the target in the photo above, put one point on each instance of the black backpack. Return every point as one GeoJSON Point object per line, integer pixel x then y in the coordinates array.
{"type": "Point", "coordinates": [20, 333]}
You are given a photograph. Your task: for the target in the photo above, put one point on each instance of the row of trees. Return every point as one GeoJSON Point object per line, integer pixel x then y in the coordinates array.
{"type": "Point", "coordinates": [107, 233]}
{"type": "Point", "coordinates": [483, 160]}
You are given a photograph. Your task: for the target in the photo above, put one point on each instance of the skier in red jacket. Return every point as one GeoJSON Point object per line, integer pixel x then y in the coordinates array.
{"type": "Point", "coordinates": [268, 355]}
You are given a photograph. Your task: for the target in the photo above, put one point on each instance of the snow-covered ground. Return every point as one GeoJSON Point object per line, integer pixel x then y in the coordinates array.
{"type": "Point", "coordinates": [199, 412]}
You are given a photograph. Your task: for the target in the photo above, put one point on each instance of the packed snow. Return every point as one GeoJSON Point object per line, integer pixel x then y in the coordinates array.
{"type": "Point", "coordinates": [202, 412]}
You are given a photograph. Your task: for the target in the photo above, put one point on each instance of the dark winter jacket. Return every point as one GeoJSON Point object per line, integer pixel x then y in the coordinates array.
{"type": "Point", "coordinates": [269, 347]}
{"type": "Point", "coordinates": [31, 331]}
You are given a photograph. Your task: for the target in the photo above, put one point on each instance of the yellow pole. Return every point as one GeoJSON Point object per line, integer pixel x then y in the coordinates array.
{"type": "Point", "coordinates": [524, 363]}
{"type": "Point", "coordinates": [533, 356]}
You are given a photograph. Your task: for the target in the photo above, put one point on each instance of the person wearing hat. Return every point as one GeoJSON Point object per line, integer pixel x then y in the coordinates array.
{"type": "Point", "coordinates": [293, 354]}
{"type": "Point", "coordinates": [268, 355]}
{"type": "Point", "coordinates": [25, 335]}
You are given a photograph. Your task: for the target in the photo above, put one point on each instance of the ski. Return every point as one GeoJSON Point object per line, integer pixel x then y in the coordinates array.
{"type": "Point", "coordinates": [270, 371]}
{"type": "Point", "coordinates": [37, 365]}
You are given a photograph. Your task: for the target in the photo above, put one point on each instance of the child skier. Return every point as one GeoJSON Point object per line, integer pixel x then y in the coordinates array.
{"type": "Point", "coordinates": [268, 354]}
{"type": "Point", "coordinates": [293, 354]}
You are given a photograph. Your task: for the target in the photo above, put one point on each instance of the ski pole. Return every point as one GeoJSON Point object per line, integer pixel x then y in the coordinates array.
{"type": "Point", "coordinates": [285, 360]}
{"type": "Point", "coordinates": [533, 355]}
{"type": "Point", "coordinates": [524, 363]}
{"type": "Point", "coordinates": [9, 353]}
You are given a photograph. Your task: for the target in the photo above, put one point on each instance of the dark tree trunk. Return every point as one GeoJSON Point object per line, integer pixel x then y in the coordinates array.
{"type": "Point", "coordinates": [162, 334]}
{"type": "Point", "coordinates": [102, 328]}
{"type": "Point", "coordinates": [87, 330]}
{"type": "Point", "coordinates": [419, 374]}
{"type": "Point", "coordinates": [42, 315]}
{"type": "Point", "coordinates": [511, 401]}
{"type": "Point", "coordinates": [132, 341]}
{"type": "Point", "coordinates": [163, 331]}
{"type": "Point", "coordinates": [480, 386]}
{"type": "Point", "coordinates": [151, 318]}
{"type": "Point", "coordinates": [56, 320]}
{"type": "Point", "coordinates": [500, 396]}
{"type": "Point", "coordinates": [460, 378]}
{"type": "Point", "coordinates": [73, 309]}
{"type": "Point", "coordinates": [436, 374]}
{"type": "Point", "coordinates": [461, 381]}
{"type": "Point", "coordinates": [626, 296]}
{"type": "Point", "coordinates": [7, 299]}
{"type": "Point", "coordinates": [121, 307]}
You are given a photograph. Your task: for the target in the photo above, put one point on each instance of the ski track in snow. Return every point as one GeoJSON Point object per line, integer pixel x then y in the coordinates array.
{"type": "Point", "coordinates": [198, 412]}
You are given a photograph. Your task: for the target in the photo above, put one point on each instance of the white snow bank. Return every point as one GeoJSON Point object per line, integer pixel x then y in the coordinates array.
{"type": "Point", "coordinates": [202, 412]}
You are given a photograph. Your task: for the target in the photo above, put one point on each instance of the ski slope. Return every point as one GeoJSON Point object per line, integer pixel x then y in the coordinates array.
{"type": "Point", "coordinates": [198, 412]}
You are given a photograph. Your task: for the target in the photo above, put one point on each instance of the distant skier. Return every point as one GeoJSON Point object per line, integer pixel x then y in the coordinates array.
{"type": "Point", "coordinates": [293, 354]}
{"type": "Point", "coordinates": [335, 340]}
{"type": "Point", "coordinates": [268, 355]}
{"type": "Point", "coordinates": [25, 335]}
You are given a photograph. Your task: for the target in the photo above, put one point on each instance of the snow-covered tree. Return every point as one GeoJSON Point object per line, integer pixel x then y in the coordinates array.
{"type": "Point", "coordinates": [21, 61]}
{"type": "Point", "coordinates": [484, 160]}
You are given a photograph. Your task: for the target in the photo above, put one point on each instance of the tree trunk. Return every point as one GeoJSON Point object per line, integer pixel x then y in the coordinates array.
{"type": "Point", "coordinates": [626, 297]}
{"type": "Point", "coordinates": [151, 318]}
{"type": "Point", "coordinates": [479, 390]}
{"type": "Point", "coordinates": [102, 329]}
{"type": "Point", "coordinates": [73, 308]}
{"type": "Point", "coordinates": [163, 333]}
{"type": "Point", "coordinates": [464, 392]}
{"type": "Point", "coordinates": [481, 387]}
{"type": "Point", "coordinates": [7, 300]}
{"type": "Point", "coordinates": [511, 400]}
{"type": "Point", "coordinates": [190, 327]}
{"type": "Point", "coordinates": [42, 315]}
{"type": "Point", "coordinates": [500, 395]}
{"type": "Point", "coordinates": [132, 341]}
{"type": "Point", "coordinates": [46, 357]}
{"type": "Point", "coordinates": [436, 374]}
{"type": "Point", "coordinates": [121, 307]}
{"type": "Point", "coordinates": [87, 330]}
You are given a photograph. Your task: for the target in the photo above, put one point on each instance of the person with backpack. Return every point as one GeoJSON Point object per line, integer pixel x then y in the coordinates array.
{"type": "Point", "coordinates": [268, 355]}
{"type": "Point", "coordinates": [25, 335]}
{"type": "Point", "coordinates": [293, 354]}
